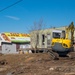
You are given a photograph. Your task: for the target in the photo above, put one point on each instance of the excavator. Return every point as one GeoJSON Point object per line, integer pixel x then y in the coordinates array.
{"type": "Point", "coordinates": [62, 42]}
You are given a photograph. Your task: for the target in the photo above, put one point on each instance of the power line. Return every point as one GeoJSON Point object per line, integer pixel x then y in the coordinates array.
{"type": "Point", "coordinates": [10, 5]}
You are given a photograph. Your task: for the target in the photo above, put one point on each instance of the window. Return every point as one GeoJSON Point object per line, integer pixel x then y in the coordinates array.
{"type": "Point", "coordinates": [37, 39]}
{"type": "Point", "coordinates": [48, 36]}
{"type": "Point", "coordinates": [17, 47]}
{"type": "Point", "coordinates": [56, 35]}
{"type": "Point", "coordinates": [48, 39]}
{"type": "Point", "coordinates": [63, 34]}
{"type": "Point", "coordinates": [0, 48]}
{"type": "Point", "coordinates": [43, 39]}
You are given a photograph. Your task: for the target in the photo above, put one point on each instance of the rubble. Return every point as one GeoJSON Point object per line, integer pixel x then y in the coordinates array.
{"type": "Point", "coordinates": [35, 64]}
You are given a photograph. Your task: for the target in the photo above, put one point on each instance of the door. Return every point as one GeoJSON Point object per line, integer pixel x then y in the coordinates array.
{"type": "Point", "coordinates": [48, 40]}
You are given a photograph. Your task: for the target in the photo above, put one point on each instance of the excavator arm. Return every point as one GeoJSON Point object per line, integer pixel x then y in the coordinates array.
{"type": "Point", "coordinates": [70, 29]}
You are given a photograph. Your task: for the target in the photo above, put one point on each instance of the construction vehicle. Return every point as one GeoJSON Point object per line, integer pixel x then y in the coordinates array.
{"type": "Point", "coordinates": [61, 43]}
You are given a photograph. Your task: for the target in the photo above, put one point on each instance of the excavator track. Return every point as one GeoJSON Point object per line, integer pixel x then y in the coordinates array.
{"type": "Point", "coordinates": [71, 55]}
{"type": "Point", "coordinates": [54, 55]}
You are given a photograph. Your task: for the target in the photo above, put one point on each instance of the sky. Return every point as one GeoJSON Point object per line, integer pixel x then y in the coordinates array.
{"type": "Point", "coordinates": [20, 17]}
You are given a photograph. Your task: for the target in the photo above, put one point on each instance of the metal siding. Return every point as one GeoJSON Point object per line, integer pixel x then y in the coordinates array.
{"type": "Point", "coordinates": [8, 48]}
{"type": "Point", "coordinates": [13, 48]}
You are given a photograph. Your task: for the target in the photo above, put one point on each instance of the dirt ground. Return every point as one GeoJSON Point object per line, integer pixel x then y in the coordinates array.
{"type": "Point", "coordinates": [35, 64]}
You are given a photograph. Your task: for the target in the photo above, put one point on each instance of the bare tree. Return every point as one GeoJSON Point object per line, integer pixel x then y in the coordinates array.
{"type": "Point", "coordinates": [35, 30]}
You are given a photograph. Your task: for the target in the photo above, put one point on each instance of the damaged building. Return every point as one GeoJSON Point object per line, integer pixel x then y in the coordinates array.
{"type": "Point", "coordinates": [42, 38]}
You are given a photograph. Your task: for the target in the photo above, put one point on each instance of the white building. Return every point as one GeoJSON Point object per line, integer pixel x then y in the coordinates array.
{"type": "Point", "coordinates": [13, 42]}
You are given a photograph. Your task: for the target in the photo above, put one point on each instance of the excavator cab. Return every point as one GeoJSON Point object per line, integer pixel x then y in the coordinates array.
{"type": "Point", "coordinates": [58, 34]}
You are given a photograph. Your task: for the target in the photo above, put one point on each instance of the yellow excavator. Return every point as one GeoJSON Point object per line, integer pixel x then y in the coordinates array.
{"type": "Point", "coordinates": [63, 40]}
